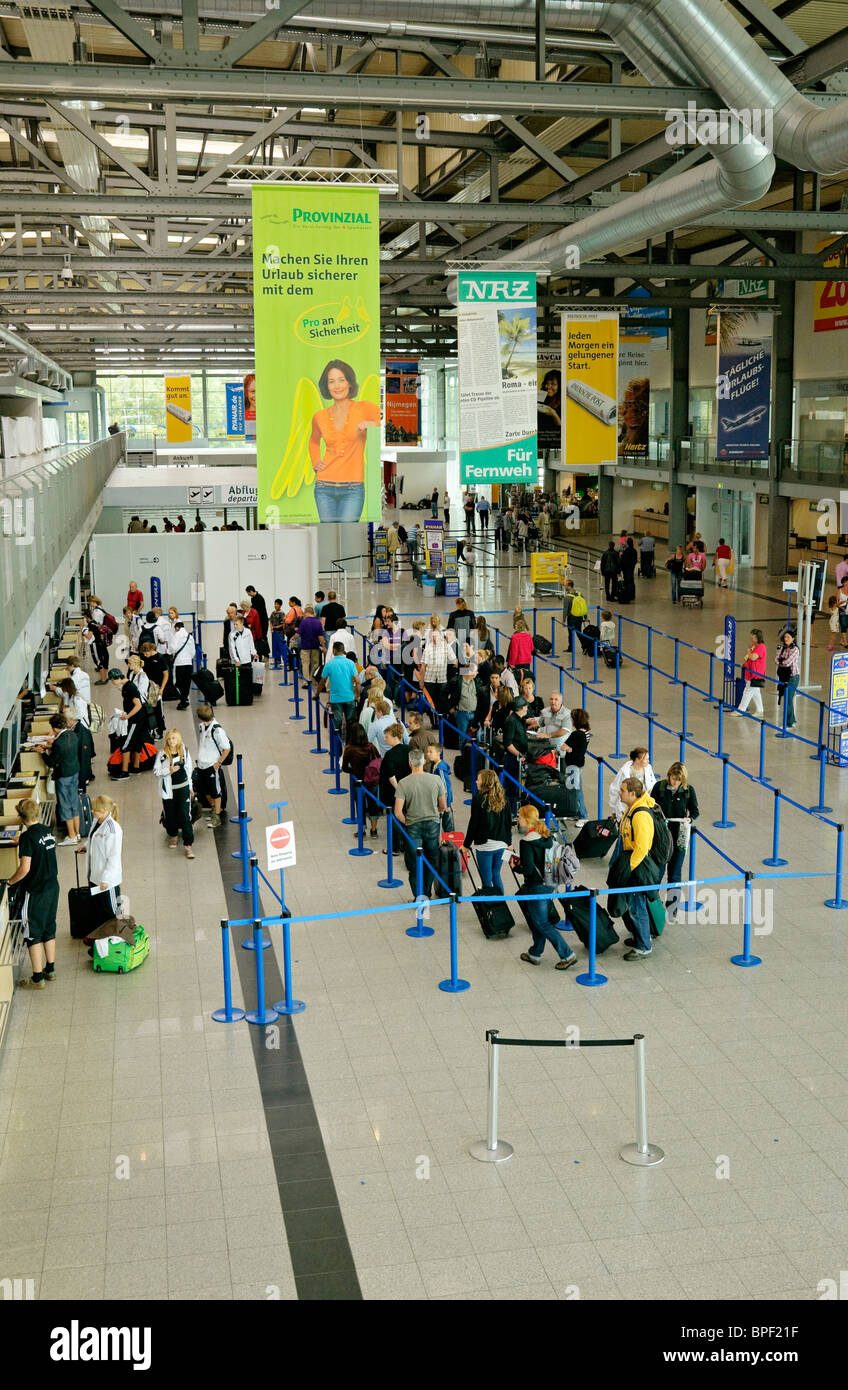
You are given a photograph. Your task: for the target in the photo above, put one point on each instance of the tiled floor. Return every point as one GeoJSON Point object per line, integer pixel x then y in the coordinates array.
{"type": "Point", "coordinates": [140, 1123]}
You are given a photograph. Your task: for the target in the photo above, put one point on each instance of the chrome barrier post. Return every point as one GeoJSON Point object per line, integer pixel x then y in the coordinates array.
{"type": "Point", "coordinates": [419, 929]}
{"type": "Point", "coordinates": [228, 1014]}
{"type": "Point", "coordinates": [821, 809]}
{"type": "Point", "coordinates": [746, 958]}
{"type": "Point", "coordinates": [454, 985]}
{"type": "Point", "coordinates": [259, 1015]}
{"type": "Point", "coordinates": [837, 900]}
{"type": "Point", "coordinates": [490, 1149]}
{"type": "Point", "coordinates": [641, 1154]}
{"type": "Point", "coordinates": [591, 979]}
{"type": "Point", "coordinates": [775, 861]}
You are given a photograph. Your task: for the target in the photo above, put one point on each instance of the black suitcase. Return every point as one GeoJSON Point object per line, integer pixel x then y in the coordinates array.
{"type": "Point", "coordinates": [588, 638]}
{"type": "Point", "coordinates": [554, 918]}
{"type": "Point", "coordinates": [450, 734]}
{"type": "Point", "coordinates": [541, 645]}
{"type": "Point", "coordinates": [596, 839]}
{"type": "Point", "coordinates": [612, 657]}
{"type": "Point", "coordinates": [462, 767]}
{"type": "Point", "coordinates": [449, 867]}
{"type": "Point", "coordinates": [223, 664]}
{"type": "Point", "coordinates": [86, 911]}
{"type": "Point", "coordinates": [238, 688]}
{"type": "Point", "coordinates": [210, 688]}
{"type": "Point", "coordinates": [577, 915]}
{"type": "Point", "coordinates": [496, 920]}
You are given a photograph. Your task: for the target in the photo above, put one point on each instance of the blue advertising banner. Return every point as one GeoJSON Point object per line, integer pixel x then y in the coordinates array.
{"type": "Point", "coordinates": [743, 386]}
{"type": "Point", "coordinates": [235, 407]}
{"type": "Point", "coordinates": [155, 591]}
{"type": "Point", "coordinates": [729, 648]}
{"type": "Point", "coordinates": [659, 335]}
{"type": "Point", "coordinates": [838, 691]}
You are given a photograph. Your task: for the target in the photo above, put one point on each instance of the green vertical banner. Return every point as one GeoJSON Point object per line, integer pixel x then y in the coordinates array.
{"type": "Point", "coordinates": [316, 305]}
{"type": "Point", "coordinates": [496, 339]}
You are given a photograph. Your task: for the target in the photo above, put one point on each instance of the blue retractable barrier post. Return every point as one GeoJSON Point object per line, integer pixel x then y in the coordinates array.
{"type": "Point", "coordinates": [783, 733]}
{"type": "Point", "coordinates": [821, 809]}
{"type": "Point", "coordinates": [685, 693]}
{"type": "Point", "coordinates": [820, 740]}
{"type": "Point", "coordinates": [591, 978]}
{"type": "Point", "coordinates": [389, 881]}
{"type": "Point", "coordinates": [336, 769]}
{"type": "Point", "coordinates": [650, 709]}
{"type": "Point", "coordinates": [286, 1005]}
{"type": "Point", "coordinates": [360, 848]}
{"type": "Point", "coordinates": [244, 855]}
{"type": "Point", "coordinates": [419, 929]}
{"type": "Point", "coordinates": [317, 730]}
{"type": "Point", "coordinates": [650, 741]}
{"type": "Point", "coordinates": [285, 679]}
{"type": "Point", "coordinates": [600, 790]}
{"type": "Point", "coordinates": [675, 678]}
{"type": "Point", "coordinates": [719, 744]}
{"type": "Point", "coordinates": [309, 730]}
{"type": "Point", "coordinates": [553, 637]}
{"type": "Point", "coordinates": [724, 823]}
{"type": "Point", "coordinates": [617, 753]}
{"type": "Point", "coordinates": [837, 900]}
{"type": "Point", "coordinates": [692, 904]}
{"type": "Point", "coordinates": [775, 861]}
{"type": "Point", "coordinates": [761, 774]}
{"type": "Point", "coordinates": [454, 985]}
{"type": "Point", "coordinates": [259, 1015]}
{"type": "Point", "coordinates": [746, 958]}
{"type": "Point", "coordinates": [595, 645]}
{"type": "Point", "coordinates": [235, 819]}
{"type": "Point", "coordinates": [295, 699]}
{"type": "Point", "coordinates": [350, 819]}
{"type": "Point", "coordinates": [249, 943]}
{"type": "Point", "coordinates": [228, 1014]}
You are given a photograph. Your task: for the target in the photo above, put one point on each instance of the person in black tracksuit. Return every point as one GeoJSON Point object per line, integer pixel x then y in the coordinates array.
{"type": "Point", "coordinates": [38, 872]}
{"type": "Point", "coordinates": [173, 767]}
{"type": "Point", "coordinates": [137, 722]}
{"type": "Point", "coordinates": [677, 801]}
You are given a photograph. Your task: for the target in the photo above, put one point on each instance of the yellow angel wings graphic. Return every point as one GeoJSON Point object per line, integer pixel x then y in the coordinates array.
{"type": "Point", "coordinates": [296, 469]}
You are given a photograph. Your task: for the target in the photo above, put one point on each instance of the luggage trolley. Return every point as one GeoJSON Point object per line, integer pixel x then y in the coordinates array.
{"type": "Point", "coordinates": [692, 590]}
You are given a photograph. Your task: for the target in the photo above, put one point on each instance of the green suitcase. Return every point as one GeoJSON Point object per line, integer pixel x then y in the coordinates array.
{"type": "Point", "coordinates": [121, 958]}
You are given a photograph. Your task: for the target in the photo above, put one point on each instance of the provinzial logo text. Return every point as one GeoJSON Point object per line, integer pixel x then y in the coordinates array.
{"type": "Point", "coordinates": [313, 215]}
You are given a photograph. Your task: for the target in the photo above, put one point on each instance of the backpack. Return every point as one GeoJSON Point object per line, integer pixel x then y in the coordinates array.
{"type": "Point", "coordinates": [404, 535]}
{"type": "Point", "coordinates": [663, 846]}
{"type": "Point", "coordinates": [154, 693]}
{"type": "Point", "coordinates": [225, 762]}
{"type": "Point", "coordinates": [110, 624]}
{"type": "Point", "coordinates": [579, 607]}
{"type": "Point", "coordinates": [371, 775]}
{"type": "Point", "coordinates": [147, 634]}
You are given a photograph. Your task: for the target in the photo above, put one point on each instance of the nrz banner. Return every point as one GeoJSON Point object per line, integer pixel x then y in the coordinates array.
{"type": "Point", "coordinates": [496, 329]}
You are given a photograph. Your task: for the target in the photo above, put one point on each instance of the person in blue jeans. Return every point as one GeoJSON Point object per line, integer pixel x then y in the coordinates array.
{"type": "Point", "coordinates": [420, 803]}
{"type": "Point", "coordinates": [277, 620]}
{"type": "Point", "coordinates": [530, 861]}
{"type": "Point", "coordinates": [679, 804]}
{"type": "Point", "coordinates": [489, 832]}
{"type": "Point", "coordinates": [343, 686]}
{"type": "Point", "coordinates": [675, 565]}
{"type": "Point", "coordinates": [636, 841]}
{"type": "Point", "coordinates": [438, 766]}
{"type": "Point", "coordinates": [788, 662]}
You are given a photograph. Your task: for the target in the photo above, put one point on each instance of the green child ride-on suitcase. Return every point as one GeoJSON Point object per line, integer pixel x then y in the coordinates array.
{"type": "Point", "coordinates": [120, 957]}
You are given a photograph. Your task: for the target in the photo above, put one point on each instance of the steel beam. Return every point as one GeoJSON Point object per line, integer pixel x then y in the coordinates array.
{"type": "Point", "coordinates": [818, 61]}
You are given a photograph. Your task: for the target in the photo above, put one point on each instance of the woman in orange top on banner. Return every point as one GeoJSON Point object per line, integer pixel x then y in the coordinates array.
{"type": "Point", "coordinates": [341, 427]}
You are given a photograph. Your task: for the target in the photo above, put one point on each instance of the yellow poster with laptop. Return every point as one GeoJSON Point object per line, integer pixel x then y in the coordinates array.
{"type": "Point", "coordinates": [547, 565]}
{"type": "Point", "coordinates": [590, 388]}
{"type": "Point", "coordinates": [178, 409]}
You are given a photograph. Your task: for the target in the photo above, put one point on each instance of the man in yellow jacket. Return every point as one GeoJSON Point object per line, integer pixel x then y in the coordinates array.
{"type": "Point", "coordinates": [637, 841]}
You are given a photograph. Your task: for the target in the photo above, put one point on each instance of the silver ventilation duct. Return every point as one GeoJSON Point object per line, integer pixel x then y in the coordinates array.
{"type": "Point", "coordinates": [730, 61]}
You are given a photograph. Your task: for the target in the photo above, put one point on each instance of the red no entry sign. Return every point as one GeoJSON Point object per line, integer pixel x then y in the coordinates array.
{"type": "Point", "coordinates": [279, 843]}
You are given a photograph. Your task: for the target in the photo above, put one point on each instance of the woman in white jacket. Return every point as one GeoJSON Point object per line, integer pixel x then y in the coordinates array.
{"type": "Point", "coordinates": [637, 765]}
{"type": "Point", "coordinates": [103, 851]}
{"type": "Point", "coordinates": [173, 767]}
{"type": "Point", "coordinates": [182, 652]}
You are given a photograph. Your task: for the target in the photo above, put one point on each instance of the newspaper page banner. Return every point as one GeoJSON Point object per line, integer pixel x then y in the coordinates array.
{"type": "Point", "coordinates": [634, 398]}
{"type": "Point", "coordinates": [403, 403]}
{"type": "Point", "coordinates": [549, 410]}
{"type": "Point", "coordinates": [316, 299]}
{"type": "Point", "coordinates": [178, 409]}
{"type": "Point", "coordinates": [743, 390]}
{"type": "Point", "coordinates": [496, 329]}
{"type": "Point", "coordinates": [831, 296]}
{"type": "Point", "coordinates": [590, 379]}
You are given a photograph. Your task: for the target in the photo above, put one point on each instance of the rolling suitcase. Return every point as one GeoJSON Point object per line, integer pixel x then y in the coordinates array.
{"type": "Point", "coordinates": [522, 890]}
{"type": "Point", "coordinates": [577, 916]}
{"type": "Point", "coordinates": [449, 867]}
{"type": "Point", "coordinates": [258, 678]}
{"type": "Point", "coordinates": [237, 690]}
{"type": "Point", "coordinates": [87, 910]}
{"type": "Point", "coordinates": [86, 818]}
{"type": "Point", "coordinates": [612, 657]}
{"type": "Point", "coordinates": [113, 954]}
{"type": "Point", "coordinates": [210, 688]}
{"type": "Point", "coordinates": [455, 838]}
{"type": "Point", "coordinates": [541, 645]}
{"type": "Point", "coordinates": [496, 920]}
{"type": "Point", "coordinates": [462, 767]}
{"type": "Point", "coordinates": [596, 839]}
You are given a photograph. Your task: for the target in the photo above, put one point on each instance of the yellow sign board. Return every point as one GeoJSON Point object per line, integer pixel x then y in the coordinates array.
{"type": "Point", "coordinates": [178, 409]}
{"type": "Point", "coordinates": [547, 564]}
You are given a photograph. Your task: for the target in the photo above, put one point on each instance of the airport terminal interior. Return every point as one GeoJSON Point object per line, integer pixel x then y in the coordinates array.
{"type": "Point", "coordinates": [369, 361]}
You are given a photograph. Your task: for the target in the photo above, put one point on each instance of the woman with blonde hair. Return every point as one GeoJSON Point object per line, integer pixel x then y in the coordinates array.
{"type": "Point", "coordinates": [173, 767]}
{"type": "Point", "coordinates": [489, 830]}
{"type": "Point", "coordinates": [103, 852]}
{"type": "Point", "coordinates": [530, 861]}
{"type": "Point", "coordinates": [679, 804]}
{"type": "Point", "coordinates": [434, 662]}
